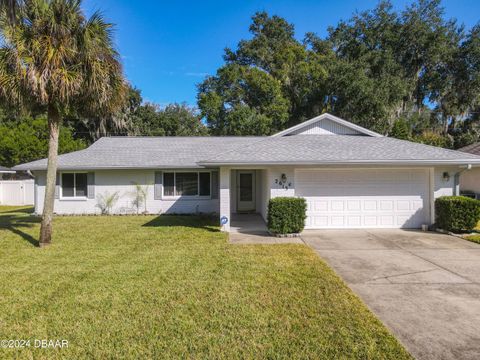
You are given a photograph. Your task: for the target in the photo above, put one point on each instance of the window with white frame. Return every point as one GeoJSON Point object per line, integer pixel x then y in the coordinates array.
{"type": "Point", "coordinates": [74, 185]}
{"type": "Point", "coordinates": [181, 183]}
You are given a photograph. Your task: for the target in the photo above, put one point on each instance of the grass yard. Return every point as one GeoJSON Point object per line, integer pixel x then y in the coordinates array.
{"type": "Point", "coordinates": [473, 238]}
{"type": "Point", "coordinates": [172, 287]}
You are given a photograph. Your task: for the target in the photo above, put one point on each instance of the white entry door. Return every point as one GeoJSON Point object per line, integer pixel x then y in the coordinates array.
{"type": "Point", "coordinates": [369, 198]}
{"type": "Point", "coordinates": [245, 190]}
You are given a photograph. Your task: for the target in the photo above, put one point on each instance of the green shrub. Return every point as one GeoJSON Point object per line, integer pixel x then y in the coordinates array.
{"type": "Point", "coordinates": [457, 213]}
{"type": "Point", "coordinates": [286, 215]}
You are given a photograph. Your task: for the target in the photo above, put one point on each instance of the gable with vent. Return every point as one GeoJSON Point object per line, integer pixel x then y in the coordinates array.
{"type": "Point", "coordinates": [327, 124]}
{"type": "Point", "coordinates": [325, 127]}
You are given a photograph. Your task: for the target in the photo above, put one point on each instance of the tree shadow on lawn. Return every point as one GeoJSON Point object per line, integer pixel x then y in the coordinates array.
{"type": "Point", "coordinates": [27, 210]}
{"type": "Point", "coordinates": [15, 223]}
{"type": "Point", "coordinates": [205, 222]}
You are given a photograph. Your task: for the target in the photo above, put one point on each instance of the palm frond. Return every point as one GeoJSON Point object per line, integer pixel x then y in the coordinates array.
{"type": "Point", "coordinates": [53, 55]}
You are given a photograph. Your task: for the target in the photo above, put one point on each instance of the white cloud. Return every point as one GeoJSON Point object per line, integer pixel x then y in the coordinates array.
{"type": "Point", "coordinates": [196, 74]}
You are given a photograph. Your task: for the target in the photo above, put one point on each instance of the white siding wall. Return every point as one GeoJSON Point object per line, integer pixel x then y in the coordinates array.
{"type": "Point", "coordinates": [275, 173]}
{"type": "Point", "coordinates": [121, 181]}
{"type": "Point", "coordinates": [225, 175]}
{"type": "Point", "coordinates": [258, 191]}
{"type": "Point", "coordinates": [441, 187]}
{"type": "Point", "coordinates": [470, 180]}
{"type": "Point", "coordinates": [233, 192]}
{"type": "Point", "coordinates": [265, 193]}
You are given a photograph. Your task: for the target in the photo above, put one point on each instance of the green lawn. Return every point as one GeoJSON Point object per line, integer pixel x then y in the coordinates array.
{"type": "Point", "coordinates": [172, 287]}
{"type": "Point", "coordinates": [474, 238]}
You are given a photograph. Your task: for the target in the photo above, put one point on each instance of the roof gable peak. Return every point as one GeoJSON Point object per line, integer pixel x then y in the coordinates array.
{"type": "Point", "coordinates": [355, 129]}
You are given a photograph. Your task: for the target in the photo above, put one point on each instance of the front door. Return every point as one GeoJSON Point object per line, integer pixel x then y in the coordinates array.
{"type": "Point", "coordinates": [246, 191]}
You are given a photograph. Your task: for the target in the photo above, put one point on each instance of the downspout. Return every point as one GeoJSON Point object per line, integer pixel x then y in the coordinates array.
{"type": "Point", "coordinates": [456, 179]}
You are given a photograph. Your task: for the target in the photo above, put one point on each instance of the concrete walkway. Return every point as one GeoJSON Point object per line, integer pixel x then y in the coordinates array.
{"type": "Point", "coordinates": [424, 286]}
{"type": "Point", "coordinates": [251, 229]}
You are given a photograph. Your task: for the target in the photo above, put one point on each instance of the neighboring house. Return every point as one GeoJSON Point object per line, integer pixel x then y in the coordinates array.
{"type": "Point", "coordinates": [470, 180]}
{"type": "Point", "coordinates": [351, 177]}
{"type": "Point", "coordinates": [4, 170]}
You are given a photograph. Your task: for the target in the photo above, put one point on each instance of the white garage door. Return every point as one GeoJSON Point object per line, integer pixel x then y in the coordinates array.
{"type": "Point", "coordinates": [364, 198]}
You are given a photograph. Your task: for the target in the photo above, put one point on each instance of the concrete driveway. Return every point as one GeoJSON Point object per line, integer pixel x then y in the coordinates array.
{"type": "Point", "coordinates": [425, 287]}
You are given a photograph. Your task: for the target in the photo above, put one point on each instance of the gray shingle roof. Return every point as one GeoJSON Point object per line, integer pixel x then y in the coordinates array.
{"type": "Point", "coordinates": [192, 152]}
{"type": "Point", "coordinates": [144, 152]}
{"type": "Point", "coordinates": [328, 149]}
{"type": "Point", "coordinates": [472, 149]}
{"type": "Point", "coordinates": [4, 169]}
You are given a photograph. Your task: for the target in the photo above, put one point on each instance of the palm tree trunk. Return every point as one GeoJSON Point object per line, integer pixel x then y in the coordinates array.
{"type": "Point", "coordinates": [10, 7]}
{"type": "Point", "coordinates": [54, 121]}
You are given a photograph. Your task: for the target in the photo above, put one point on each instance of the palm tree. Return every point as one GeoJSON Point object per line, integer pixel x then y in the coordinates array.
{"type": "Point", "coordinates": [52, 57]}
{"type": "Point", "coordinates": [10, 6]}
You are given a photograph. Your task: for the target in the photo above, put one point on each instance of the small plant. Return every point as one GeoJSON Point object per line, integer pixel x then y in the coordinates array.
{"type": "Point", "coordinates": [457, 213]}
{"type": "Point", "coordinates": [139, 196]}
{"type": "Point", "coordinates": [286, 215]}
{"type": "Point", "coordinates": [106, 202]}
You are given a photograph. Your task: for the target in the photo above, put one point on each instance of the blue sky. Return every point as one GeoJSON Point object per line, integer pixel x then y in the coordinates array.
{"type": "Point", "coordinates": [168, 47]}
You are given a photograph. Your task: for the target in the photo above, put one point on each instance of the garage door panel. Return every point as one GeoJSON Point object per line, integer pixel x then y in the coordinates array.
{"type": "Point", "coordinates": [370, 221]}
{"type": "Point", "coordinates": [321, 221]}
{"type": "Point", "coordinates": [337, 221]}
{"type": "Point", "coordinates": [337, 205]}
{"type": "Point", "coordinates": [354, 190]}
{"type": "Point", "coordinates": [403, 205]}
{"type": "Point", "coordinates": [370, 205]}
{"type": "Point", "coordinates": [321, 205]}
{"type": "Point", "coordinates": [386, 205]}
{"type": "Point", "coordinates": [354, 205]}
{"type": "Point", "coordinates": [354, 221]}
{"type": "Point", "coordinates": [364, 199]}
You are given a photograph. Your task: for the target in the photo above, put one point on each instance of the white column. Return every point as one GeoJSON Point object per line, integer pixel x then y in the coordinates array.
{"type": "Point", "coordinates": [431, 175]}
{"type": "Point", "coordinates": [225, 196]}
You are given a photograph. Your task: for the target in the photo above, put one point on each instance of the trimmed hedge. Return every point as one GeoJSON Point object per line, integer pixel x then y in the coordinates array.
{"type": "Point", "coordinates": [457, 213]}
{"type": "Point", "coordinates": [286, 215]}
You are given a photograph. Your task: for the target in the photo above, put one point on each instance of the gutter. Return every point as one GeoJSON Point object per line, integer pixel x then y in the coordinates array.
{"type": "Point", "coordinates": [203, 164]}
{"type": "Point", "coordinates": [456, 179]}
{"type": "Point", "coordinates": [464, 162]}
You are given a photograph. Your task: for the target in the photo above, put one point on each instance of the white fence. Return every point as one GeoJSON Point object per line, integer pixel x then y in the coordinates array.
{"type": "Point", "coordinates": [17, 192]}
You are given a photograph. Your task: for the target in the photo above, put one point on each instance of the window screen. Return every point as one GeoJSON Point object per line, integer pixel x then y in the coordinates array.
{"type": "Point", "coordinates": [81, 184]}
{"type": "Point", "coordinates": [186, 184]}
{"type": "Point", "coordinates": [168, 184]}
{"type": "Point", "coordinates": [68, 185]}
{"type": "Point", "coordinates": [204, 183]}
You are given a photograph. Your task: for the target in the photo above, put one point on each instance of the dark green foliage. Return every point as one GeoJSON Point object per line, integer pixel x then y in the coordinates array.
{"type": "Point", "coordinates": [380, 66]}
{"type": "Point", "coordinates": [286, 215]}
{"type": "Point", "coordinates": [267, 84]}
{"type": "Point", "coordinates": [434, 139]}
{"type": "Point", "coordinates": [26, 139]}
{"type": "Point", "coordinates": [400, 130]}
{"type": "Point", "coordinates": [457, 213]}
{"type": "Point", "coordinates": [120, 123]}
{"type": "Point", "coordinates": [242, 100]}
{"type": "Point", "coordinates": [140, 119]}
{"type": "Point", "coordinates": [173, 120]}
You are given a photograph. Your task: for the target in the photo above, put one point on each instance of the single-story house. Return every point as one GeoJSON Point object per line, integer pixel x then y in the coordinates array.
{"type": "Point", "coordinates": [470, 180]}
{"type": "Point", "coordinates": [351, 177]}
